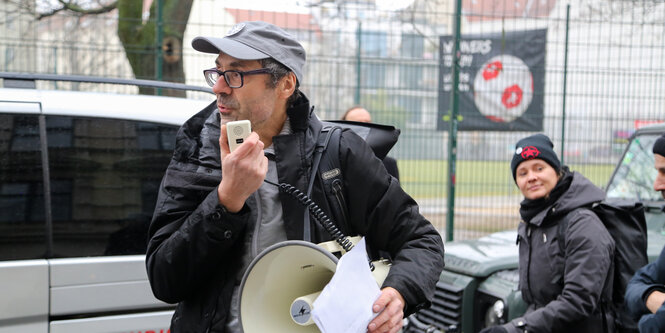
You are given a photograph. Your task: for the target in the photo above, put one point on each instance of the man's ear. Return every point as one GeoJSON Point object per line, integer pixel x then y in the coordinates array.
{"type": "Point", "coordinates": [287, 85]}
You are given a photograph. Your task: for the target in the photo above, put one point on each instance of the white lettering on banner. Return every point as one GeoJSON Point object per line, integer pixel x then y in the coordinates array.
{"type": "Point", "coordinates": [482, 46]}
{"type": "Point", "coordinates": [465, 60]}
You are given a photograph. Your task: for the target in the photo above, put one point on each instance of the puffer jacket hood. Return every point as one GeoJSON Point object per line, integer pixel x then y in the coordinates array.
{"type": "Point", "coordinates": [581, 193]}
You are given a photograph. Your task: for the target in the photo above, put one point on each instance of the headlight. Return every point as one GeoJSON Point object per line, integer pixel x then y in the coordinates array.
{"type": "Point", "coordinates": [495, 314]}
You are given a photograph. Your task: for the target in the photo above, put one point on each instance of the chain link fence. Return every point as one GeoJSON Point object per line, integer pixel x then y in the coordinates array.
{"type": "Point", "coordinates": [599, 77]}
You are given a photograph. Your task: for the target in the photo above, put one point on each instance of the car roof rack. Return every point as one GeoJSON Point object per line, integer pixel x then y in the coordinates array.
{"type": "Point", "coordinates": [27, 81]}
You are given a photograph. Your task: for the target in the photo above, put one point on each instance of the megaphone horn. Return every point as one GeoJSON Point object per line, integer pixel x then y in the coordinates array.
{"type": "Point", "coordinates": [280, 285]}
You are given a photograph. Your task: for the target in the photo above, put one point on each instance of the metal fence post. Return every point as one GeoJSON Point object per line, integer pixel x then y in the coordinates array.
{"type": "Point", "coordinates": [159, 33]}
{"type": "Point", "coordinates": [452, 133]}
{"type": "Point", "coordinates": [565, 76]}
{"type": "Point", "coordinates": [356, 97]}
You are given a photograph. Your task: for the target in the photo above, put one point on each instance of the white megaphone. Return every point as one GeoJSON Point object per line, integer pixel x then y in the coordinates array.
{"type": "Point", "coordinates": [281, 284]}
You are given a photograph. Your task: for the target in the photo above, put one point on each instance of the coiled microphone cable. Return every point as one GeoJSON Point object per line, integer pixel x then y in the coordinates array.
{"type": "Point", "coordinates": [318, 215]}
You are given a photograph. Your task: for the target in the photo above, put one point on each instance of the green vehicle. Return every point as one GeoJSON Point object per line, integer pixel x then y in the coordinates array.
{"type": "Point", "coordinates": [479, 285]}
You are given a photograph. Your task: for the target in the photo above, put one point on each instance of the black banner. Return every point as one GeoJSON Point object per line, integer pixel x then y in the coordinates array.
{"type": "Point", "coordinates": [501, 81]}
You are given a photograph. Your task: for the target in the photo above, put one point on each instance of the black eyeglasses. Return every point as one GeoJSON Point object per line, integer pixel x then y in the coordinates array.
{"type": "Point", "coordinates": [235, 79]}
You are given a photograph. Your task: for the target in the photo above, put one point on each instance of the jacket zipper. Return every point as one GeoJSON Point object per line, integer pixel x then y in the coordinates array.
{"type": "Point", "coordinates": [254, 251]}
{"type": "Point", "coordinates": [337, 191]}
{"type": "Point", "coordinates": [528, 266]}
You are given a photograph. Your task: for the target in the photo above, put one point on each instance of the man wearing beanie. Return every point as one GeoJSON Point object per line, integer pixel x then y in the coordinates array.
{"type": "Point", "coordinates": [563, 287]}
{"type": "Point", "coordinates": [659, 159]}
{"type": "Point", "coordinates": [645, 293]}
{"type": "Point", "coordinates": [215, 213]}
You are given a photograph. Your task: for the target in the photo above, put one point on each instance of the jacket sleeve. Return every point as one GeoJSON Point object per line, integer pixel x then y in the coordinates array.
{"type": "Point", "coordinates": [589, 250]}
{"type": "Point", "coordinates": [652, 322]}
{"type": "Point", "coordinates": [190, 234]}
{"type": "Point", "coordinates": [390, 220]}
{"type": "Point", "coordinates": [645, 280]}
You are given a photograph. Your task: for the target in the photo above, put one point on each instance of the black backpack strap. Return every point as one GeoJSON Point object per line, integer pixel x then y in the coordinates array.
{"type": "Point", "coordinates": [332, 179]}
{"type": "Point", "coordinates": [321, 146]}
{"type": "Point", "coordinates": [562, 226]}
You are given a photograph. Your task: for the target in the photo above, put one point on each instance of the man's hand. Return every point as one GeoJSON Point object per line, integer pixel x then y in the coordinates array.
{"type": "Point", "coordinates": [390, 307]}
{"type": "Point", "coordinates": [243, 171]}
{"type": "Point", "coordinates": [655, 300]}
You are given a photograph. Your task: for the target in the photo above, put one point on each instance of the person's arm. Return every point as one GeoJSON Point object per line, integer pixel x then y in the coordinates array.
{"type": "Point", "coordinates": [652, 323]}
{"type": "Point", "coordinates": [589, 249]}
{"type": "Point", "coordinates": [198, 220]}
{"type": "Point", "coordinates": [390, 220]}
{"type": "Point", "coordinates": [645, 289]}
{"type": "Point", "coordinates": [188, 242]}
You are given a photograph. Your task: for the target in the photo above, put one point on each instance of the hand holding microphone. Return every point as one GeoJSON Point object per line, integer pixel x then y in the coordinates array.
{"type": "Point", "coordinates": [244, 169]}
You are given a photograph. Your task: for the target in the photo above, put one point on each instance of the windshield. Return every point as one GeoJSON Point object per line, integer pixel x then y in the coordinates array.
{"type": "Point", "coordinates": [635, 174]}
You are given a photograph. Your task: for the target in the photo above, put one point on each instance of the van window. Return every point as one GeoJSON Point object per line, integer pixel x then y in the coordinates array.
{"type": "Point", "coordinates": [22, 227]}
{"type": "Point", "coordinates": [105, 174]}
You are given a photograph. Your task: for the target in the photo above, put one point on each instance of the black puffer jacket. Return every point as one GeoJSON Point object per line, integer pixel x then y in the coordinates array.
{"type": "Point", "coordinates": [195, 246]}
{"type": "Point", "coordinates": [564, 290]}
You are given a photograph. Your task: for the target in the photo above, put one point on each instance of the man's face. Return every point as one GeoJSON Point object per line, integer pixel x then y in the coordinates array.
{"type": "Point", "coordinates": [659, 184]}
{"type": "Point", "coordinates": [254, 101]}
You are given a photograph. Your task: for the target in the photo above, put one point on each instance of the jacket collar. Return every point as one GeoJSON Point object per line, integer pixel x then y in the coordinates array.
{"type": "Point", "coordinates": [299, 113]}
{"type": "Point", "coordinates": [580, 193]}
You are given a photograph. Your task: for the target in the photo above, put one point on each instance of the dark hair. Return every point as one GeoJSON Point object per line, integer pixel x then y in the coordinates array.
{"type": "Point", "coordinates": [277, 72]}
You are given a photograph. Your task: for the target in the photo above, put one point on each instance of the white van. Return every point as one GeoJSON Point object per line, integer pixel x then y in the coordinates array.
{"type": "Point", "coordinates": [79, 173]}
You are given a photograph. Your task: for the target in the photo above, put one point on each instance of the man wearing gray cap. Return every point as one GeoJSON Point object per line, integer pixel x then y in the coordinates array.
{"type": "Point", "coordinates": [215, 213]}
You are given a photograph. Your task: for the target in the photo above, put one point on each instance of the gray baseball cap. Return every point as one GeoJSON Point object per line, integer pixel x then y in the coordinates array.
{"type": "Point", "coordinates": [254, 40]}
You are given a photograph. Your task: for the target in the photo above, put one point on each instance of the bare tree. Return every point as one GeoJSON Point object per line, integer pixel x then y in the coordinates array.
{"type": "Point", "coordinates": [138, 31]}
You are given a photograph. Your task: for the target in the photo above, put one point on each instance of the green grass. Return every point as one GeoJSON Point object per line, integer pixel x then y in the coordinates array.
{"type": "Point", "coordinates": [428, 178]}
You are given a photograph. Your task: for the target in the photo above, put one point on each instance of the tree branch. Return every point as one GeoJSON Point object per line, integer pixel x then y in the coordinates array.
{"type": "Point", "coordinates": [48, 14]}
{"type": "Point", "coordinates": [72, 6]}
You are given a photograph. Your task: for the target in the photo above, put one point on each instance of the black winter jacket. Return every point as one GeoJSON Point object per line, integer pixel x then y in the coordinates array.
{"type": "Point", "coordinates": [564, 290]}
{"type": "Point", "coordinates": [195, 246]}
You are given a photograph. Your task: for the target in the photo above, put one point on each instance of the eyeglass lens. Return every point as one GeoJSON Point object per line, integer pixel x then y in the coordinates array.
{"type": "Point", "coordinates": [232, 78]}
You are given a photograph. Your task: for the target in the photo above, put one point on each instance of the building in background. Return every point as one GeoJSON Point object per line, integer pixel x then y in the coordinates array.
{"type": "Point", "coordinates": [18, 48]}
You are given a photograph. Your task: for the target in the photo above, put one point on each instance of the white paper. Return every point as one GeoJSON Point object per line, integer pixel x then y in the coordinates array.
{"type": "Point", "coordinates": [345, 304]}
